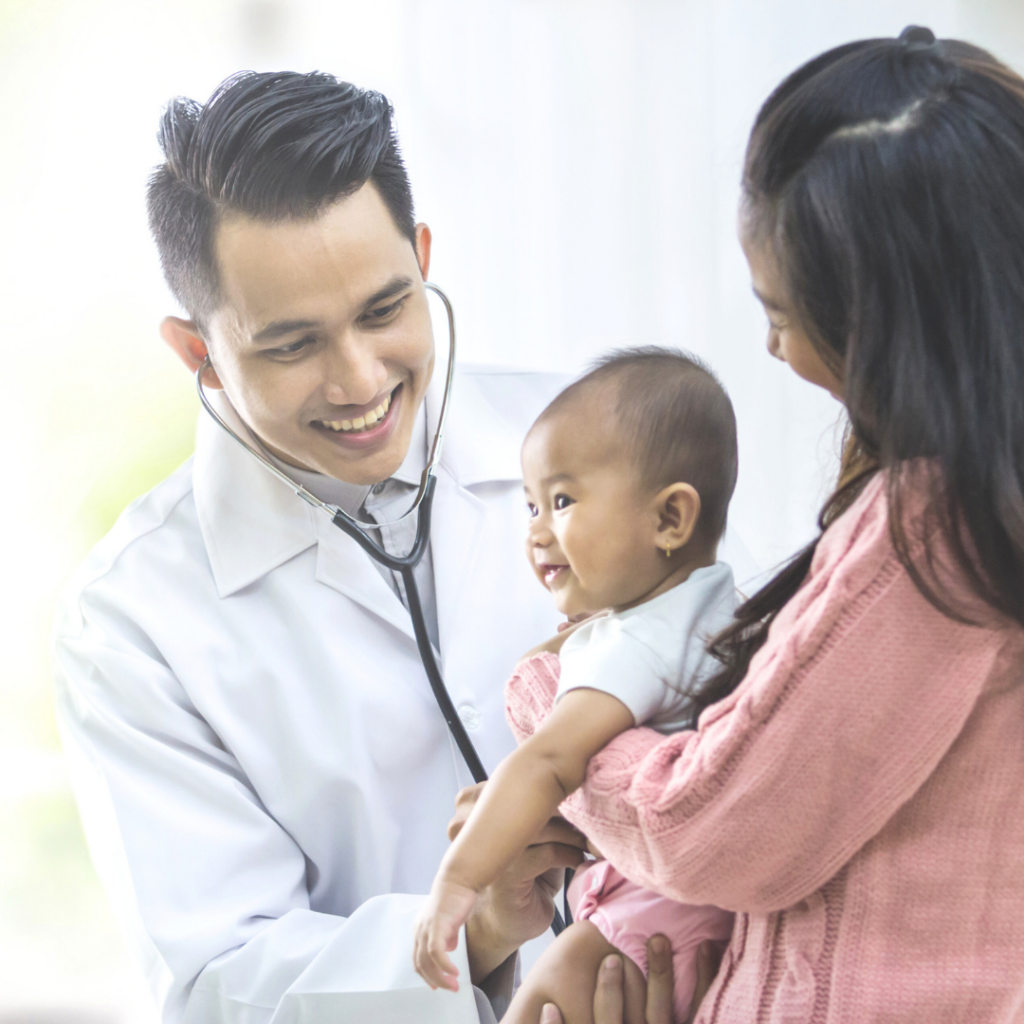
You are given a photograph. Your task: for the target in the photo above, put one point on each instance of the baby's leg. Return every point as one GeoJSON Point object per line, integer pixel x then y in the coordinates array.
{"type": "Point", "coordinates": [566, 975]}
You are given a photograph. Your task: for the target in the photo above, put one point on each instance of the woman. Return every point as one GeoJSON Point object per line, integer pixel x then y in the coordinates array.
{"type": "Point", "coordinates": [852, 788]}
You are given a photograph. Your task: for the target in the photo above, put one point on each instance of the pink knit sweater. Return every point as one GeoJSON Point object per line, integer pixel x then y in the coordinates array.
{"type": "Point", "coordinates": [858, 801]}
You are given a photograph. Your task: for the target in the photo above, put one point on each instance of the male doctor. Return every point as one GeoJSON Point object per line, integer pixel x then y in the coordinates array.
{"type": "Point", "coordinates": [263, 774]}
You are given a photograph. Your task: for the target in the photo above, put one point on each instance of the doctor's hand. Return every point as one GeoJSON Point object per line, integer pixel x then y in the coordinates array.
{"type": "Point", "coordinates": [520, 905]}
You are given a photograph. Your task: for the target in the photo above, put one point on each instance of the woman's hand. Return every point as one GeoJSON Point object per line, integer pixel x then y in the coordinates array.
{"type": "Point", "coordinates": [519, 906]}
{"type": "Point", "coordinates": [609, 1000]}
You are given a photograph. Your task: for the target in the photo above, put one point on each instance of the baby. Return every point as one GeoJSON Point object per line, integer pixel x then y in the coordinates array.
{"type": "Point", "coordinates": [628, 475]}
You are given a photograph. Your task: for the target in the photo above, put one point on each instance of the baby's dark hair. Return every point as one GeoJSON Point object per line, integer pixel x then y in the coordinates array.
{"type": "Point", "coordinates": [677, 420]}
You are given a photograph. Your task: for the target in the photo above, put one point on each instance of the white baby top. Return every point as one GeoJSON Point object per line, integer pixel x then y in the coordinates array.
{"type": "Point", "coordinates": [650, 655]}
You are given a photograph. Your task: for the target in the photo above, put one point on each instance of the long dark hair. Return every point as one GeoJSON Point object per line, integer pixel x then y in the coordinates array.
{"type": "Point", "coordinates": [887, 177]}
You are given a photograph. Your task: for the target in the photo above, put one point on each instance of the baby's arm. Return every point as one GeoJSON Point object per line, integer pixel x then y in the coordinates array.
{"type": "Point", "coordinates": [522, 795]}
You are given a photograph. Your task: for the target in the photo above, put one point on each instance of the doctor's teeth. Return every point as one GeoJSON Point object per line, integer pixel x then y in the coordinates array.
{"type": "Point", "coordinates": [373, 417]}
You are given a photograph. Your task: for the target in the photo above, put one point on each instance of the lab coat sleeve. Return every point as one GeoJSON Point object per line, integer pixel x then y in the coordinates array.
{"type": "Point", "coordinates": [205, 882]}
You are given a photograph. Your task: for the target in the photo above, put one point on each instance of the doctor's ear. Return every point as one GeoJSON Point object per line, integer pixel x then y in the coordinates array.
{"type": "Point", "coordinates": [678, 509]}
{"type": "Point", "coordinates": [184, 338]}
{"type": "Point", "coordinates": [423, 240]}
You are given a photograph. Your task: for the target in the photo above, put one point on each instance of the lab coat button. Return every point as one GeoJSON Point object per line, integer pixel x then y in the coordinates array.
{"type": "Point", "coordinates": [470, 717]}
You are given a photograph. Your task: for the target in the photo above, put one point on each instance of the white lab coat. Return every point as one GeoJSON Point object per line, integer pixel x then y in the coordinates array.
{"type": "Point", "coordinates": [262, 771]}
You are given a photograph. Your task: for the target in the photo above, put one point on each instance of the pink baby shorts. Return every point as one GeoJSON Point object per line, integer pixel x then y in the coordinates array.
{"type": "Point", "coordinates": [628, 915]}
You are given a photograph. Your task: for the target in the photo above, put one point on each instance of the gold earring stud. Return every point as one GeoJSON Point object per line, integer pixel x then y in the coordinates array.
{"type": "Point", "coordinates": [668, 552]}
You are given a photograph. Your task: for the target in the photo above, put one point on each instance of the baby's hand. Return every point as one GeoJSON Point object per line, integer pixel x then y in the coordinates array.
{"type": "Point", "coordinates": [437, 932]}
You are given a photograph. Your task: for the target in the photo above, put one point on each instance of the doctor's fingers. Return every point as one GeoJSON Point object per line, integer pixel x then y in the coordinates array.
{"type": "Point", "coordinates": [558, 830]}
{"type": "Point", "coordinates": [465, 799]}
{"type": "Point", "coordinates": [543, 857]}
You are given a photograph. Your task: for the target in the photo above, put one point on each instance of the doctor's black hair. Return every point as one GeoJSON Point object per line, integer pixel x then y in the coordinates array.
{"type": "Point", "coordinates": [272, 146]}
{"type": "Point", "coordinates": [678, 422]}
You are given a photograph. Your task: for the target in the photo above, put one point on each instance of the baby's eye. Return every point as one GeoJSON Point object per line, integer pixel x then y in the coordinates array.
{"type": "Point", "coordinates": [562, 501]}
{"type": "Point", "coordinates": [532, 509]}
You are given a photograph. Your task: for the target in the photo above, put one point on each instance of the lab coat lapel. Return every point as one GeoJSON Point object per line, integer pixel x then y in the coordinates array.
{"type": "Point", "coordinates": [252, 523]}
{"type": "Point", "coordinates": [455, 536]}
{"type": "Point", "coordinates": [343, 565]}
{"type": "Point", "coordinates": [480, 448]}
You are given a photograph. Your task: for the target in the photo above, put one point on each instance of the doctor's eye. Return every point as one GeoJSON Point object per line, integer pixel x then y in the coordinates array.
{"type": "Point", "coordinates": [562, 501]}
{"type": "Point", "coordinates": [383, 314]}
{"type": "Point", "coordinates": [294, 348]}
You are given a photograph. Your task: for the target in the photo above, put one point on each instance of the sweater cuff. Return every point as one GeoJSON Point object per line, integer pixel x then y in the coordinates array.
{"type": "Point", "coordinates": [530, 694]}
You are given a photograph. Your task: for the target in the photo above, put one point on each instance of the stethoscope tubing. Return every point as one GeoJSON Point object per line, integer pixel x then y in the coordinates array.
{"type": "Point", "coordinates": [406, 566]}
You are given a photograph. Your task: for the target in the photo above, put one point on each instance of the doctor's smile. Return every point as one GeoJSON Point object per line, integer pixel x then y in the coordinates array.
{"type": "Point", "coordinates": [361, 427]}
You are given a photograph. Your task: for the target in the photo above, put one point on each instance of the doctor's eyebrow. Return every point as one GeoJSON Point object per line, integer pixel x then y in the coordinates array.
{"type": "Point", "coordinates": [279, 328]}
{"type": "Point", "coordinates": [393, 287]}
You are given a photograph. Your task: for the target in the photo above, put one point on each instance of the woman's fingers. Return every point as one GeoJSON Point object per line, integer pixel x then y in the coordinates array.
{"type": "Point", "coordinates": [660, 980]}
{"type": "Point", "coordinates": [709, 959]}
{"type": "Point", "coordinates": [549, 1014]}
{"type": "Point", "coordinates": [609, 1000]}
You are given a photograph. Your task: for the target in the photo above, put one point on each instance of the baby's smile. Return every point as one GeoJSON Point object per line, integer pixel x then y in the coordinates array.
{"type": "Point", "coordinates": [552, 573]}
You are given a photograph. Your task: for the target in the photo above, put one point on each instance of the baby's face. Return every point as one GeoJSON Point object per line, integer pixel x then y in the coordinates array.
{"type": "Point", "coordinates": [592, 524]}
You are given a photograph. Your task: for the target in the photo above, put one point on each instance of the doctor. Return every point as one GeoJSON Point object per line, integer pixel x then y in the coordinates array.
{"type": "Point", "coordinates": [263, 774]}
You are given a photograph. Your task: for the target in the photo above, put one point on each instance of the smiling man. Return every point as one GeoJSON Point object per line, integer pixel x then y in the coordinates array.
{"type": "Point", "coordinates": [263, 774]}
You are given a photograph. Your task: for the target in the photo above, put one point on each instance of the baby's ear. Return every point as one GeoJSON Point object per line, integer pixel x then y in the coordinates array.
{"type": "Point", "coordinates": [678, 508]}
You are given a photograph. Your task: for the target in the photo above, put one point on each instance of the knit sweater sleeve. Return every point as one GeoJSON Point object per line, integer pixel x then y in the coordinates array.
{"type": "Point", "coordinates": [859, 691]}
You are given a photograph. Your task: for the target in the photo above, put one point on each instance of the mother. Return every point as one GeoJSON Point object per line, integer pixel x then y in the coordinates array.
{"type": "Point", "coordinates": [853, 788]}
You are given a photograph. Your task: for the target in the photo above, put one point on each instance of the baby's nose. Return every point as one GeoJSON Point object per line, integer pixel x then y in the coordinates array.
{"type": "Point", "coordinates": [539, 535]}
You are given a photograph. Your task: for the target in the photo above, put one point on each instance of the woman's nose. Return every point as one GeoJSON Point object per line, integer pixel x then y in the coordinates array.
{"type": "Point", "coordinates": [355, 375]}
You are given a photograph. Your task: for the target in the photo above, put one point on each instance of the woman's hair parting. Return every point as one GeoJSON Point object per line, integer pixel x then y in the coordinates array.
{"type": "Point", "coordinates": [886, 179]}
{"type": "Point", "coordinates": [677, 420]}
{"type": "Point", "coordinates": [270, 146]}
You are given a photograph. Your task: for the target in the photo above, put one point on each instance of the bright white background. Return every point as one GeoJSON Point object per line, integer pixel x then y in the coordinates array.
{"type": "Point", "coordinates": [578, 163]}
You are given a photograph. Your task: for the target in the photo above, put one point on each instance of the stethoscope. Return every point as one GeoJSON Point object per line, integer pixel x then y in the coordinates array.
{"type": "Point", "coordinates": [404, 565]}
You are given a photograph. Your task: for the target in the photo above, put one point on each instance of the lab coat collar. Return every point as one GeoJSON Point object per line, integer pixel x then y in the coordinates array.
{"type": "Point", "coordinates": [252, 522]}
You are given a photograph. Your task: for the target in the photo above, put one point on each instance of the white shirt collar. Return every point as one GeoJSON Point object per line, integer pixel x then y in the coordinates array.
{"type": "Point", "coordinates": [252, 522]}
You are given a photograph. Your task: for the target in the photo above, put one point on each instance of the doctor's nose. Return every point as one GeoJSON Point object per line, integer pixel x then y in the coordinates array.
{"type": "Point", "coordinates": [354, 374]}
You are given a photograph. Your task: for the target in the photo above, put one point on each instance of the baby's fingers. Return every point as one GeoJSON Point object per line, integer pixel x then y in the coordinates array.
{"type": "Point", "coordinates": [430, 957]}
